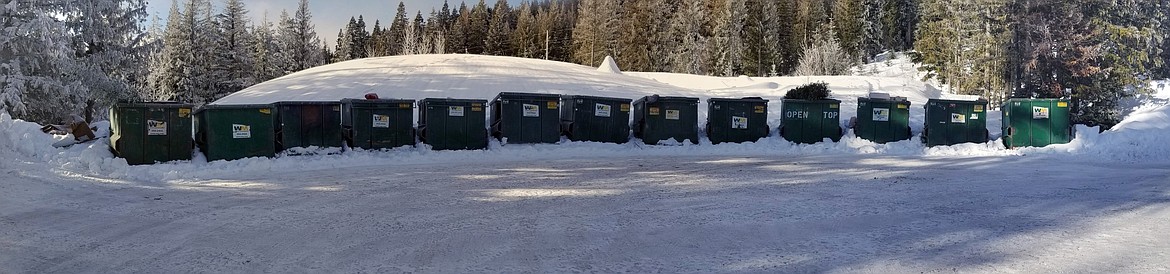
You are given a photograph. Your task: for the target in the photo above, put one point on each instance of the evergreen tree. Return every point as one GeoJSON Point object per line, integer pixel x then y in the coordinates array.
{"type": "Point", "coordinates": [28, 72]}
{"type": "Point", "coordinates": [594, 36]}
{"type": "Point", "coordinates": [499, 35]}
{"type": "Point", "coordinates": [848, 20]}
{"type": "Point", "coordinates": [761, 36]}
{"type": "Point", "coordinates": [397, 31]}
{"type": "Point", "coordinates": [477, 28]}
{"type": "Point", "coordinates": [457, 40]}
{"type": "Point", "coordinates": [232, 65]}
{"type": "Point", "coordinates": [266, 52]}
{"type": "Point", "coordinates": [687, 25]}
{"type": "Point", "coordinates": [526, 39]}
{"type": "Point", "coordinates": [824, 56]}
{"type": "Point", "coordinates": [636, 36]}
{"type": "Point", "coordinates": [299, 41]}
{"type": "Point", "coordinates": [107, 39]}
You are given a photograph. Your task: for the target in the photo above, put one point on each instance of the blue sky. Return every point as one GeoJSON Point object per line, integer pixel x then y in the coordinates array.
{"type": "Point", "coordinates": [328, 15]}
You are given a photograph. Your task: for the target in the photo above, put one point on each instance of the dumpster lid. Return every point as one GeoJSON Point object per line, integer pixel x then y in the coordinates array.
{"type": "Point", "coordinates": [744, 99]}
{"type": "Point", "coordinates": [889, 100]}
{"type": "Point", "coordinates": [451, 100]}
{"type": "Point", "coordinates": [234, 106]}
{"type": "Point", "coordinates": [570, 97]}
{"type": "Point", "coordinates": [308, 103]}
{"type": "Point", "coordinates": [655, 98]}
{"type": "Point", "coordinates": [951, 101]}
{"type": "Point", "coordinates": [375, 101]}
{"type": "Point", "coordinates": [811, 101]}
{"type": "Point", "coordinates": [525, 94]}
{"type": "Point", "coordinates": [154, 104]}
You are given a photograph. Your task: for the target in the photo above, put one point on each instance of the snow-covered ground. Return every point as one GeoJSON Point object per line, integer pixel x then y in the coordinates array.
{"type": "Point", "coordinates": [1094, 205]}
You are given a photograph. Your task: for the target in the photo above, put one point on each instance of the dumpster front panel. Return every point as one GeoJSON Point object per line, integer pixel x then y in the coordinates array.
{"type": "Point", "coordinates": [882, 121]}
{"type": "Point", "coordinates": [667, 118]}
{"type": "Point", "coordinates": [236, 132]}
{"type": "Point", "coordinates": [146, 133]}
{"type": "Point", "coordinates": [736, 120]}
{"type": "Point", "coordinates": [810, 122]}
{"type": "Point", "coordinates": [378, 124]}
{"type": "Point", "coordinates": [1036, 122]}
{"type": "Point", "coordinates": [950, 122]}
{"type": "Point", "coordinates": [453, 124]}
{"type": "Point", "coordinates": [305, 124]}
{"type": "Point", "coordinates": [596, 119]}
{"type": "Point", "coordinates": [526, 118]}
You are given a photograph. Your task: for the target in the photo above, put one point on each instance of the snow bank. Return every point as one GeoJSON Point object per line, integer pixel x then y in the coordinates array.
{"type": "Point", "coordinates": [609, 66]}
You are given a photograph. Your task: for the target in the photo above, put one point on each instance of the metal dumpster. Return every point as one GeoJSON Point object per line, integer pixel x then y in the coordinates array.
{"type": "Point", "coordinates": [229, 132]}
{"type": "Point", "coordinates": [378, 123]}
{"type": "Point", "coordinates": [447, 124]}
{"type": "Point", "coordinates": [950, 122]}
{"type": "Point", "coordinates": [595, 119]}
{"type": "Point", "coordinates": [811, 121]}
{"type": "Point", "coordinates": [526, 118]}
{"type": "Point", "coordinates": [305, 124]}
{"type": "Point", "coordinates": [663, 118]}
{"type": "Point", "coordinates": [1036, 122]}
{"type": "Point", "coordinates": [147, 133]}
{"type": "Point", "coordinates": [737, 120]}
{"type": "Point", "coordinates": [883, 120]}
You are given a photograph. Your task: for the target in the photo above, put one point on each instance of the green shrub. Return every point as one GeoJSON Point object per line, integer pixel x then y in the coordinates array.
{"type": "Point", "coordinates": [814, 91]}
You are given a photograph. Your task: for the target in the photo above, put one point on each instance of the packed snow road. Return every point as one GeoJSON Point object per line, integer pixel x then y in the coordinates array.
{"type": "Point", "coordinates": [837, 213]}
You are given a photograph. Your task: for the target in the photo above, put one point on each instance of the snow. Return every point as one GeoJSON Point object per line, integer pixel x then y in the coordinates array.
{"type": "Point", "coordinates": [769, 206]}
{"type": "Point", "coordinates": [609, 66]}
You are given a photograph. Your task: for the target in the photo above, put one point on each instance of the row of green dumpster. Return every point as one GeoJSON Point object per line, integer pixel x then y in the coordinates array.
{"type": "Point", "coordinates": [144, 133]}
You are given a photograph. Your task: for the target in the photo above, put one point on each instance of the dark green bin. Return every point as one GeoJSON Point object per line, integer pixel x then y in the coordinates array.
{"type": "Point", "coordinates": [595, 119]}
{"type": "Point", "coordinates": [526, 118]}
{"type": "Point", "coordinates": [883, 120]}
{"type": "Point", "coordinates": [660, 118]}
{"type": "Point", "coordinates": [811, 121]}
{"type": "Point", "coordinates": [737, 120]}
{"type": "Point", "coordinates": [1036, 122]}
{"type": "Point", "coordinates": [147, 133]}
{"type": "Point", "coordinates": [378, 123]}
{"type": "Point", "coordinates": [447, 124]}
{"type": "Point", "coordinates": [308, 123]}
{"type": "Point", "coordinates": [950, 122]}
{"type": "Point", "coordinates": [230, 132]}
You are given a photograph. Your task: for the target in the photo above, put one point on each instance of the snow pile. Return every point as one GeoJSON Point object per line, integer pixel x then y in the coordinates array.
{"type": "Point", "coordinates": [609, 66]}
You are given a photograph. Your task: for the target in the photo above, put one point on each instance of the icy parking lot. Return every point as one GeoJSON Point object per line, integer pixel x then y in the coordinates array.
{"type": "Point", "coordinates": [835, 213]}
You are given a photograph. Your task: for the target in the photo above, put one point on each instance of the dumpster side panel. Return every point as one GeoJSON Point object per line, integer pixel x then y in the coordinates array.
{"type": "Point", "coordinates": [597, 119]}
{"type": "Point", "coordinates": [453, 125]}
{"type": "Point", "coordinates": [236, 133]}
{"type": "Point", "coordinates": [1061, 122]}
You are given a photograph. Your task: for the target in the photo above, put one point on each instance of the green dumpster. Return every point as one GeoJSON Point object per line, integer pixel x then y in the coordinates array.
{"type": "Point", "coordinates": [230, 132]}
{"type": "Point", "coordinates": [147, 133]}
{"type": "Point", "coordinates": [883, 120]}
{"type": "Point", "coordinates": [737, 120]}
{"type": "Point", "coordinates": [1036, 122]}
{"type": "Point", "coordinates": [950, 122]}
{"type": "Point", "coordinates": [306, 124]}
{"type": "Point", "coordinates": [663, 118]}
{"type": "Point", "coordinates": [595, 119]}
{"type": "Point", "coordinates": [447, 124]}
{"type": "Point", "coordinates": [810, 121]}
{"type": "Point", "coordinates": [378, 123]}
{"type": "Point", "coordinates": [526, 118]}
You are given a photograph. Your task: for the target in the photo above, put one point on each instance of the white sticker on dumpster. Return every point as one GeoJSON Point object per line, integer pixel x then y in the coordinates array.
{"type": "Point", "coordinates": [531, 110]}
{"type": "Point", "coordinates": [382, 121]}
{"type": "Point", "coordinates": [958, 118]}
{"type": "Point", "coordinates": [1039, 113]}
{"type": "Point", "coordinates": [672, 114]}
{"type": "Point", "coordinates": [156, 128]}
{"type": "Point", "coordinates": [602, 110]}
{"type": "Point", "coordinates": [739, 122]}
{"type": "Point", "coordinates": [241, 131]}
{"type": "Point", "coordinates": [455, 111]}
{"type": "Point", "coordinates": [881, 114]}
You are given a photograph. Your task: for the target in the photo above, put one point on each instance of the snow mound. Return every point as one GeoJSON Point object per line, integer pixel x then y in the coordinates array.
{"type": "Point", "coordinates": [445, 76]}
{"type": "Point", "coordinates": [609, 66]}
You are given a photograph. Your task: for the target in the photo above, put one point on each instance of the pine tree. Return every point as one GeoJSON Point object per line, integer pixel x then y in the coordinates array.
{"type": "Point", "coordinates": [848, 18]}
{"type": "Point", "coordinates": [457, 39]}
{"type": "Point", "coordinates": [824, 56]}
{"type": "Point", "coordinates": [636, 36]}
{"type": "Point", "coordinates": [266, 52]}
{"type": "Point", "coordinates": [761, 35]}
{"type": "Point", "coordinates": [526, 39]}
{"type": "Point", "coordinates": [107, 41]}
{"type": "Point", "coordinates": [233, 65]}
{"type": "Point", "coordinates": [28, 71]}
{"type": "Point", "coordinates": [871, 39]}
{"type": "Point", "coordinates": [397, 31]}
{"type": "Point", "coordinates": [727, 45]}
{"type": "Point", "coordinates": [687, 25]}
{"type": "Point", "coordinates": [359, 39]}
{"type": "Point", "coordinates": [299, 41]}
{"type": "Point", "coordinates": [477, 28]}
{"type": "Point", "coordinates": [594, 36]}
{"type": "Point", "coordinates": [499, 34]}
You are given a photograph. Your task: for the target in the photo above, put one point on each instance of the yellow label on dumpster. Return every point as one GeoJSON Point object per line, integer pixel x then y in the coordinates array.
{"type": "Point", "coordinates": [1061, 104]}
{"type": "Point", "coordinates": [477, 109]}
{"type": "Point", "coordinates": [760, 109]}
{"type": "Point", "coordinates": [901, 106]}
{"type": "Point", "coordinates": [183, 112]}
{"type": "Point", "coordinates": [653, 111]}
{"type": "Point", "coordinates": [625, 107]}
{"type": "Point", "coordinates": [266, 111]}
{"type": "Point", "coordinates": [552, 104]}
{"type": "Point", "coordinates": [404, 105]}
{"type": "Point", "coordinates": [476, 105]}
{"type": "Point", "coordinates": [978, 108]}
{"type": "Point", "coordinates": [834, 106]}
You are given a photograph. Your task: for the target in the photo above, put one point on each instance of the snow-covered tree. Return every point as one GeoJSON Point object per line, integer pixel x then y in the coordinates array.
{"type": "Point", "coordinates": [824, 56]}
{"type": "Point", "coordinates": [266, 56]}
{"type": "Point", "coordinates": [298, 40]}
{"type": "Point", "coordinates": [595, 35]}
{"type": "Point", "coordinates": [525, 38]}
{"type": "Point", "coordinates": [727, 42]}
{"type": "Point", "coordinates": [687, 27]}
{"type": "Point", "coordinates": [33, 44]}
{"type": "Point", "coordinates": [410, 40]}
{"type": "Point", "coordinates": [233, 61]}
{"type": "Point", "coordinates": [499, 34]}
